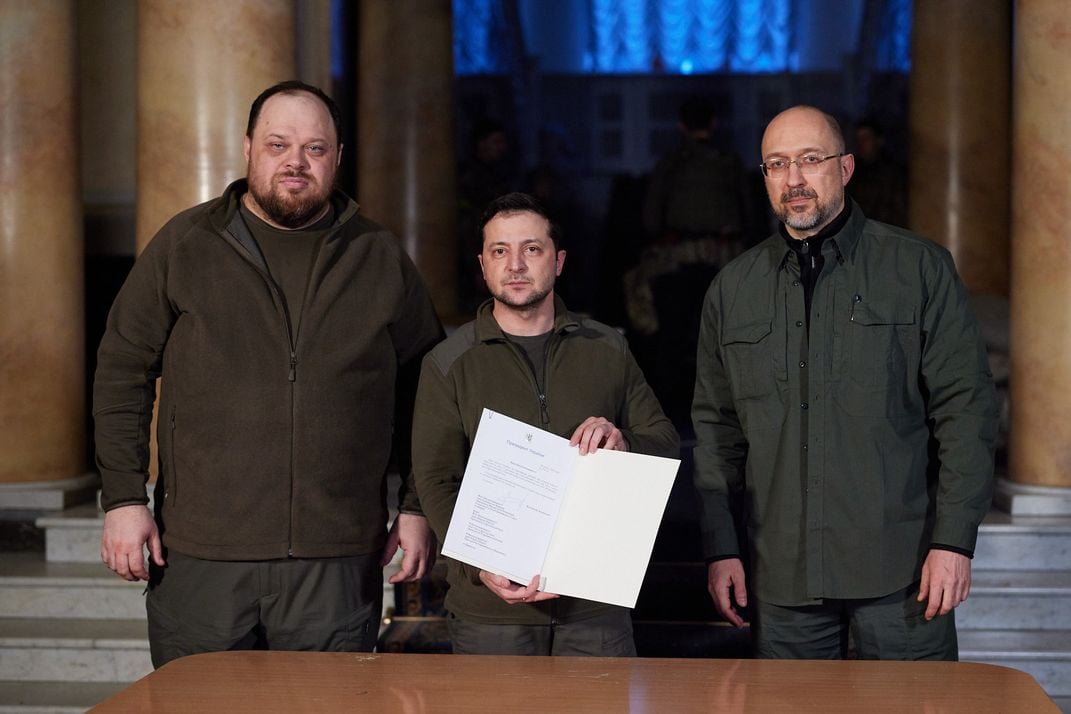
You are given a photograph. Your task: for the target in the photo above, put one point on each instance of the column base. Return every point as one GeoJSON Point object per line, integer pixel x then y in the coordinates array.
{"type": "Point", "coordinates": [1025, 500]}
{"type": "Point", "coordinates": [48, 495]}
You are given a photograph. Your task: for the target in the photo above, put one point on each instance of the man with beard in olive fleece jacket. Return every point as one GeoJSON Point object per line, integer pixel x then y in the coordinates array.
{"type": "Point", "coordinates": [285, 327]}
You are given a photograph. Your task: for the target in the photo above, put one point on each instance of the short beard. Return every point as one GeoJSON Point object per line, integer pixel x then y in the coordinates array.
{"type": "Point", "coordinates": [823, 212]}
{"type": "Point", "coordinates": [289, 210]}
{"type": "Point", "coordinates": [530, 303]}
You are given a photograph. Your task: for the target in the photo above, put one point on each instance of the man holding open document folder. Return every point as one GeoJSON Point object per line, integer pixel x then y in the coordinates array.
{"type": "Point", "coordinates": [527, 357]}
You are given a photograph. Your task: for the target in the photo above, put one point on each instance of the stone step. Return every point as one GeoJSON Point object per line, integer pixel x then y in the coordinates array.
{"type": "Point", "coordinates": [50, 496]}
{"type": "Point", "coordinates": [54, 697]}
{"type": "Point", "coordinates": [73, 650]}
{"type": "Point", "coordinates": [1043, 654]}
{"type": "Point", "coordinates": [33, 588]}
{"type": "Point", "coordinates": [73, 536]}
{"type": "Point", "coordinates": [1008, 542]}
{"type": "Point", "coordinates": [1017, 599]}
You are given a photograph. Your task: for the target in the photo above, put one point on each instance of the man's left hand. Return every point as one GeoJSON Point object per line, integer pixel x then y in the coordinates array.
{"type": "Point", "coordinates": [598, 433]}
{"type": "Point", "coordinates": [946, 581]}
{"type": "Point", "coordinates": [413, 534]}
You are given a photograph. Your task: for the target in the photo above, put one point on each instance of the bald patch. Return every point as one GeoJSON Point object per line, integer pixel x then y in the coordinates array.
{"type": "Point", "coordinates": [801, 110]}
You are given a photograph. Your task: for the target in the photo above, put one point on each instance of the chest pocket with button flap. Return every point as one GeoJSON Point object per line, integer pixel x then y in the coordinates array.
{"type": "Point", "coordinates": [751, 359]}
{"type": "Point", "coordinates": [883, 346]}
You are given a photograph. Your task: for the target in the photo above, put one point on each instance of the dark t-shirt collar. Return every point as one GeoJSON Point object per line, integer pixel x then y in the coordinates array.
{"type": "Point", "coordinates": [325, 222]}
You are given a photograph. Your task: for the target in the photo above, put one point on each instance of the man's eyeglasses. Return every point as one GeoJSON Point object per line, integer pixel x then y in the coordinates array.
{"type": "Point", "coordinates": [809, 164]}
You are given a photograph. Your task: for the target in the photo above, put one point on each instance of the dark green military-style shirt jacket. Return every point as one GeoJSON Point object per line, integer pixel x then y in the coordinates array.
{"type": "Point", "coordinates": [857, 443]}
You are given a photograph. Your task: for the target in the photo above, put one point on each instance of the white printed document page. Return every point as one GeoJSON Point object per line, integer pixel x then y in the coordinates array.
{"type": "Point", "coordinates": [530, 504]}
{"type": "Point", "coordinates": [510, 497]}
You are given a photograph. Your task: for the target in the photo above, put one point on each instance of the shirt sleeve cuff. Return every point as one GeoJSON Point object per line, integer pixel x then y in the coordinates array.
{"type": "Point", "coordinates": [952, 548]}
{"type": "Point", "coordinates": [716, 558]}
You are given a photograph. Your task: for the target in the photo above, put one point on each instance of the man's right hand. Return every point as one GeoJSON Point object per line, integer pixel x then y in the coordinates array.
{"type": "Point", "coordinates": [512, 592]}
{"type": "Point", "coordinates": [127, 530]}
{"type": "Point", "coordinates": [723, 577]}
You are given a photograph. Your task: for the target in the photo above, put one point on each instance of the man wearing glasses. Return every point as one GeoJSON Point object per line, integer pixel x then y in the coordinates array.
{"type": "Point", "coordinates": [845, 412]}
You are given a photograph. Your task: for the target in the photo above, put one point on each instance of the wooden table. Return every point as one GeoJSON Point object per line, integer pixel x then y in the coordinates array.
{"type": "Point", "coordinates": [412, 684]}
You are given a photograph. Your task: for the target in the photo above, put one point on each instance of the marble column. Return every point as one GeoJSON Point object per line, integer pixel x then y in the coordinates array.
{"type": "Point", "coordinates": [314, 29]}
{"type": "Point", "coordinates": [42, 402]}
{"type": "Point", "coordinates": [406, 167]}
{"type": "Point", "coordinates": [1040, 443]}
{"type": "Point", "coordinates": [959, 135]}
{"type": "Point", "coordinates": [201, 63]}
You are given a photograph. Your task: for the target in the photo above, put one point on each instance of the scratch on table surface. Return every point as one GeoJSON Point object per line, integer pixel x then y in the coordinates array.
{"type": "Point", "coordinates": [578, 673]}
{"type": "Point", "coordinates": [571, 673]}
{"type": "Point", "coordinates": [365, 658]}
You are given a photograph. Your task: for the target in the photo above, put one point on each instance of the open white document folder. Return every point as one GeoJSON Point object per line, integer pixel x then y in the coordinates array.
{"type": "Point", "coordinates": [531, 504]}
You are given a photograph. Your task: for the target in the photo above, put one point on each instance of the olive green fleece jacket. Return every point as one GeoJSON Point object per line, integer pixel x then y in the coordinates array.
{"type": "Point", "coordinates": [854, 448]}
{"type": "Point", "coordinates": [589, 371]}
{"type": "Point", "coordinates": [271, 444]}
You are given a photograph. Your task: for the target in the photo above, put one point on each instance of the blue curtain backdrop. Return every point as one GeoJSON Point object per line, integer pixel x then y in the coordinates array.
{"type": "Point", "coordinates": [885, 37]}
{"type": "Point", "coordinates": [475, 24]}
{"type": "Point", "coordinates": [686, 36]}
{"type": "Point", "coordinates": [677, 36]}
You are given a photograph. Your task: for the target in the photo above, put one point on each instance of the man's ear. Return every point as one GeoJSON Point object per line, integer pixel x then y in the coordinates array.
{"type": "Point", "coordinates": [847, 168]}
{"type": "Point", "coordinates": [246, 146]}
{"type": "Point", "coordinates": [338, 159]}
{"type": "Point", "coordinates": [559, 263]}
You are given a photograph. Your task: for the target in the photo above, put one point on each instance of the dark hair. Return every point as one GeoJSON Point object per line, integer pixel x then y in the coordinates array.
{"type": "Point", "coordinates": [696, 113]}
{"type": "Point", "coordinates": [294, 86]}
{"type": "Point", "coordinates": [518, 202]}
